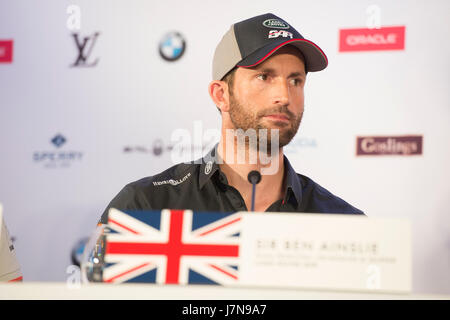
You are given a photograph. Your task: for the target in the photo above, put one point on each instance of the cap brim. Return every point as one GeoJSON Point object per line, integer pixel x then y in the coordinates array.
{"type": "Point", "coordinates": [316, 59]}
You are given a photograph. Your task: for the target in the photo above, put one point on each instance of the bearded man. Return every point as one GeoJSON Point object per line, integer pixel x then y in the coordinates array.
{"type": "Point", "coordinates": [259, 73]}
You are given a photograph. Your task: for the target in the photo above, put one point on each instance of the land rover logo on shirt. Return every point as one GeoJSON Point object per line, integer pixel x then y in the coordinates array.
{"type": "Point", "coordinates": [275, 23]}
{"type": "Point", "coordinates": [208, 167]}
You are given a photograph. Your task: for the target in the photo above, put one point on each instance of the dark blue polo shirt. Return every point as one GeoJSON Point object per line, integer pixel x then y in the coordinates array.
{"type": "Point", "coordinates": [202, 186]}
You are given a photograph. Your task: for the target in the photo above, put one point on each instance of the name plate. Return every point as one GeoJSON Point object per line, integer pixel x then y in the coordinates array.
{"type": "Point", "coordinates": [283, 250]}
{"type": "Point", "coordinates": [326, 251]}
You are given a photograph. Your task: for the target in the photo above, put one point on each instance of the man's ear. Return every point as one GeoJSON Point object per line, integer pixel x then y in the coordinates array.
{"type": "Point", "coordinates": [218, 91]}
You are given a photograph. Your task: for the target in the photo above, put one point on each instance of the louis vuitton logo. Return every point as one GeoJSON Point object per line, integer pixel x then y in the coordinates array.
{"type": "Point", "coordinates": [84, 50]}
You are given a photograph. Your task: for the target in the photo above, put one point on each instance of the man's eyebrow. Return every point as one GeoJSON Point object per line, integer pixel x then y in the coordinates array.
{"type": "Point", "coordinates": [272, 71]}
{"type": "Point", "coordinates": [266, 70]}
{"type": "Point", "coordinates": [297, 74]}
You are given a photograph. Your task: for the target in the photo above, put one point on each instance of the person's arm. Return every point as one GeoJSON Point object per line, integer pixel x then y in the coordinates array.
{"type": "Point", "coordinates": [129, 198]}
{"type": "Point", "coordinates": [9, 265]}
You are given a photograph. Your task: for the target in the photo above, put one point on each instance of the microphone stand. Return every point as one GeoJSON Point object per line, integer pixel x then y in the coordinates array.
{"type": "Point", "coordinates": [254, 177]}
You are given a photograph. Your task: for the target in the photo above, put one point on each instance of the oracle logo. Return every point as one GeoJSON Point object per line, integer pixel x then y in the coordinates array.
{"type": "Point", "coordinates": [6, 51]}
{"type": "Point", "coordinates": [354, 40]}
{"type": "Point", "coordinates": [387, 38]}
{"type": "Point", "coordinates": [394, 145]}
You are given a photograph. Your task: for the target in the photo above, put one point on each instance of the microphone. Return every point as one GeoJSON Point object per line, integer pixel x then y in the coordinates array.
{"type": "Point", "coordinates": [254, 177]}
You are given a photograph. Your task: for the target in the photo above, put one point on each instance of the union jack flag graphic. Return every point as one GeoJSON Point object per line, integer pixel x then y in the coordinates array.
{"type": "Point", "coordinates": [172, 247]}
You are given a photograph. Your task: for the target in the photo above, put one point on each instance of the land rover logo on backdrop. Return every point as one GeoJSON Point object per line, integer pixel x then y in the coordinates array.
{"type": "Point", "coordinates": [389, 145]}
{"type": "Point", "coordinates": [58, 156]}
{"type": "Point", "coordinates": [275, 23]}
{"type": "Point", "coordinates": [85, 46]}
{"type": "Point", "coordinates": [172, 46]}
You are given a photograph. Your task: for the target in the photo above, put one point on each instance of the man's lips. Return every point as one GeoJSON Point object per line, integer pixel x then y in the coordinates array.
{"type": "Point", "coordinates": [277, 117]}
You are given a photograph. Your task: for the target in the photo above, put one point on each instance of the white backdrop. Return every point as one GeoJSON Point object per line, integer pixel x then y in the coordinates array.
{"type": "Point", "coordinates": [132, 98]}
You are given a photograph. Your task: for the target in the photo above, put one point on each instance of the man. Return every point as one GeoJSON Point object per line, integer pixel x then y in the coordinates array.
{"type": "Point", "coordinates": [9, 265]}
{"type": "Point", "coordinates": [259, 73]}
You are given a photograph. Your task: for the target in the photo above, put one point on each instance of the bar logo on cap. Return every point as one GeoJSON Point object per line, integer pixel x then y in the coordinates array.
{"type": "Point", "coordinates": [275, 23]}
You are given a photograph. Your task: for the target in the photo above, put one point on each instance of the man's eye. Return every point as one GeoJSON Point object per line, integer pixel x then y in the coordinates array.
{"type": "Point", "coordinates": [296, 82]}
{"type": "Point", "coordinates": [262, 76]}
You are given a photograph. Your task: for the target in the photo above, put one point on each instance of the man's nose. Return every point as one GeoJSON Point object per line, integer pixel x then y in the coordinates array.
{"type": "Point", "coordinates": [281, 93]}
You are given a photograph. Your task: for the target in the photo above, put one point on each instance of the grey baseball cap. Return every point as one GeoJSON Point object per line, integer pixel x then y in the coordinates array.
{"type": "Point", "coordinates": [249, 42]}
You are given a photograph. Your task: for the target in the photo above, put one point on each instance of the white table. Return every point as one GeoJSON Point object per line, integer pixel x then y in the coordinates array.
{"type": "Point", "coordinates": [63, 291]}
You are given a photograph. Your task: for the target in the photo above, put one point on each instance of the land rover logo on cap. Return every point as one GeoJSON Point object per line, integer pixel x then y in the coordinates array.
{"type": "Point", "coordinates": [275, 23]}
{"type": "Point", "coordinates": [208, 167]}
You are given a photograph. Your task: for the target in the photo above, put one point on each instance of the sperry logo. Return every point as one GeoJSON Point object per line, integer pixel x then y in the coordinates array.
{"type": "Point", "coordinates": [275, 23]}
{"type": "Point", "coordinates": [58, 140]}
{"type": "Point", "coordinates": [280, 33]}
{"type": "Point", "coordinates": [378, 146]}
{"type": "Point", "coordinates": [59, 158]}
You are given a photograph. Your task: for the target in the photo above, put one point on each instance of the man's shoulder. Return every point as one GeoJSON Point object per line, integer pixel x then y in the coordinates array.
{"type": "Point", "coordinates": [318, 199]}
{"type": "Point", "coordinates": [174, 176]}
{"type": "Point", "coordinates": [144, 193]}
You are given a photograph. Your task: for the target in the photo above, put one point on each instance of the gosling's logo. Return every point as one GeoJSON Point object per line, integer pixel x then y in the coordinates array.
{"type": "Point", "coordinates": [382, 146]}
{"type": "Point", "coordinates": [275, 23]}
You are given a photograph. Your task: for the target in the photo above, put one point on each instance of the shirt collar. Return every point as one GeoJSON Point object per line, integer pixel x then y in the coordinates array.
{"type": "Point", "coordinates": [209, 166]}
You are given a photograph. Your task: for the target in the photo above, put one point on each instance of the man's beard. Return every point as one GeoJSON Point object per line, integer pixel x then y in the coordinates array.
{"type": "Point", "coordinates": [243, 118]}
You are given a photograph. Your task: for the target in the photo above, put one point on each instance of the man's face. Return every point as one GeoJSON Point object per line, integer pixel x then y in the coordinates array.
{"type": "Point", "coordinates": [270, 95]}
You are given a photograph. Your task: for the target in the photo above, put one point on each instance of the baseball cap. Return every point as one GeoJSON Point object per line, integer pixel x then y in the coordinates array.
{"type": "Point", "coordinates": [249, 42]}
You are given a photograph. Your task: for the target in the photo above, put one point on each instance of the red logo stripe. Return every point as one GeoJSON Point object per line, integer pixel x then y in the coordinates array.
{"type": "Point", "coordinates": [281, 45]}
{"type": "Point", "coordinates": [364, 39]}
{"type": "Point", "coordinates": [6, 51]}
{"type": "Point", "coordinates": [16, 279]}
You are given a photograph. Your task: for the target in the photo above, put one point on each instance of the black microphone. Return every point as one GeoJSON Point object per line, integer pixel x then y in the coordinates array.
{"type": "Point", "coordinates": [254, 177]}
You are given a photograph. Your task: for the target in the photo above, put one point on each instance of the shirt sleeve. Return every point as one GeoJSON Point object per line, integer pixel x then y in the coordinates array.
{"type": "Point", "coordinates": [327, 202]}
{"type": "Point", "coordinates": [9, 266]}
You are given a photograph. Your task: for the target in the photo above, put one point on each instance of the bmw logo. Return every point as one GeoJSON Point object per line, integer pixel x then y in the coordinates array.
{"type": "Point", "coordinates": [172, 46]}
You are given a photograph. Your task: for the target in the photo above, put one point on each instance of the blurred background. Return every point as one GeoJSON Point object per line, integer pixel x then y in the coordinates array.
{"type": "Point", "coordinates": [91, 93]}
